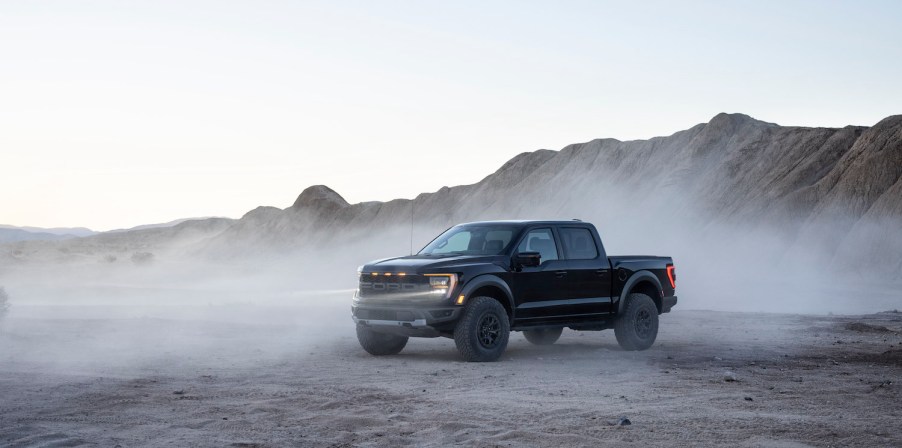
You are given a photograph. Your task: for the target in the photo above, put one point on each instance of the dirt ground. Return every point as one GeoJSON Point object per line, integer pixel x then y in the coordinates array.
{"type": "Point", "coordinates": [267, 376]}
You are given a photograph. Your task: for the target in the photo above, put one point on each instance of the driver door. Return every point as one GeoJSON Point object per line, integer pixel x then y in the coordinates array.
{"type": "Point", "coordinates": [540, 290]}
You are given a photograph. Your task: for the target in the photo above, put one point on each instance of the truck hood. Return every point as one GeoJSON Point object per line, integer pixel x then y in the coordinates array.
{"type": "Point", "coordinates": [415, 264]}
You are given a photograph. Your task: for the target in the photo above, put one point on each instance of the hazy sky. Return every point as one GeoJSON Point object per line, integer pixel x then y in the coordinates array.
{"type": "Point", "coordinates": [119, 113]}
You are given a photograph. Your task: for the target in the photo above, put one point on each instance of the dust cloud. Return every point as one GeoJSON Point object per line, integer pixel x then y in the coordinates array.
{"type": "Point", "coordinates": [234, 311]}
{"type": "Point", "coordinates": [260, 350]}
{"type": "Point", "coordinates": [741, 265]}
{"type": "Point", "coordinates": [171, 314]}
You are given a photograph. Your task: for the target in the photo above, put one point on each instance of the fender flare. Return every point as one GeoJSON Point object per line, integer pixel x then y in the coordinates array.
{"type": "Point", "coordinates": [489, 280]}
{"type": "Point", "coordinates": [637, 277]}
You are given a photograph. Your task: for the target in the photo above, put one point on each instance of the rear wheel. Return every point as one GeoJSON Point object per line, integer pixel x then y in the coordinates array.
{"type": "Point", "coordinates": [379, 344]}
{"type": "Point", "coordinates": [546, 336]}
{"type": "Point", "coordinates": [637, 327]}
{"type": "Point", "coordinates": [481, 334]}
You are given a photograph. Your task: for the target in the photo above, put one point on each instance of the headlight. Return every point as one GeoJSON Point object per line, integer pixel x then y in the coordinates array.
{"type": "Point", "coordinates": [359, 279]}
{"type": "Point", "coordinates": [442, 283]}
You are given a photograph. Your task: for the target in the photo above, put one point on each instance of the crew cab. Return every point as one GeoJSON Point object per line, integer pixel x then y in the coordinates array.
{"type": "Point", "coordinates": [477, 282]}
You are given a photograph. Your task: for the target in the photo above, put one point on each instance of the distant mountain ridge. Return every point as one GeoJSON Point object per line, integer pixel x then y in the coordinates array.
{"type": "Point", "coordinates": [172, 223]}
{"type": "Point", "coordinates": [833, 192]}
{"type": "Point", "coordinates": [154, 237]}
{"type": "Point", "coordinates": [61, 231]}
{"type": "Point", "coordinates": [9, 234]}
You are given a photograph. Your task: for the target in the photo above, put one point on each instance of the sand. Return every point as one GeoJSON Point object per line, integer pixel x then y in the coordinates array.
{"type": "Point", "coordinates": [252, 375]}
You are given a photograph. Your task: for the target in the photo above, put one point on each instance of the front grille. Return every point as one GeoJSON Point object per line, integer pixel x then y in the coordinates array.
{"type": "Point", "coordinates": [381, 285]}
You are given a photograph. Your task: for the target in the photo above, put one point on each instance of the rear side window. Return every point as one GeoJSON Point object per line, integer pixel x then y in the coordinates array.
{"type": "Point", "coordinates": [541, 241]}
{"type": "Point", "coordinates": [578, 243]}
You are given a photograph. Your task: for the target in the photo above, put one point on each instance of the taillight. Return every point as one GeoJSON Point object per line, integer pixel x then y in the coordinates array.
{"type": "Point", "coordinates": [671, 275]}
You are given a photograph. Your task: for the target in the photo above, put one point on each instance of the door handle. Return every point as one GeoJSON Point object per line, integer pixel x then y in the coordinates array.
{"type": "Point", "coordinates": [560, 274]}
{"type": "Point", "coordinates": [601, 272]}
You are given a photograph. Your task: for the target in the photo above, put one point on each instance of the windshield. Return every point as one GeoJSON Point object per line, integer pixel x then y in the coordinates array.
{"type": "Point", "coordinates": [472, 240]}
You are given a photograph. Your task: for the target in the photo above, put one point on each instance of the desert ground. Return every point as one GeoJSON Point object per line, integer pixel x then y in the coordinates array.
{"type": "Point", "coordinates": [289, 372]}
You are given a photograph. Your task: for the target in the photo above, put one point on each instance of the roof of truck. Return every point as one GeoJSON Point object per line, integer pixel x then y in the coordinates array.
{"type": "Point", "coordinates": [527, 221]}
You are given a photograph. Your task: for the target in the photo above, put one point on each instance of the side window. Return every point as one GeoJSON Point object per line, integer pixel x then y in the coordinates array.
{"type": "Point", "coordinates": [541, 241]}
{"type": "Point", "coordinates": [496, 240]}
{"type": "Point", "coordinates": [578, 243]}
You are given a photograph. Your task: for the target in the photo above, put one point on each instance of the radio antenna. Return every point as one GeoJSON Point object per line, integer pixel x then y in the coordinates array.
{"type": "Point", "coordinates": [411, 226]}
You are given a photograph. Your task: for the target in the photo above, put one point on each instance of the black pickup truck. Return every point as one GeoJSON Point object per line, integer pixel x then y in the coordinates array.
{"type": "Point", "coordinates": [479, 281]}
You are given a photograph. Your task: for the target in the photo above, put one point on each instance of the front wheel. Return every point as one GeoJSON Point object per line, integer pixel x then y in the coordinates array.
{"type": "Point", "coordinates": [379, 344]}
{"type": "Point", "coordinates": [481, 334]}
{"type": "Point", "coordinates": [546, 336]}
{"type": "Point", "coordinates": [637, 327]}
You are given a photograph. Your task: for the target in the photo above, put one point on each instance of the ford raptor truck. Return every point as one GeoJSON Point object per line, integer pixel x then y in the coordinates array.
{"type": "Point", "coordinates": [477, 282]}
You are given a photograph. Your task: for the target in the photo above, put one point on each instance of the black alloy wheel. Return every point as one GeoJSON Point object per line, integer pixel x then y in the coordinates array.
{"type": "Point", "coordinates": [482, 332]}
{"type": "Point", "coordinates": [637, 326]}
{"type": "Point", "coordinates": [643, 323]}
{"type": "Point", "coordinates": [489, 330]}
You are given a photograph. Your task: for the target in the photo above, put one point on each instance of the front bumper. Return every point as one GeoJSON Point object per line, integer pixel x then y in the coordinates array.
{"type": "Point", "coordinates": [424, 322]}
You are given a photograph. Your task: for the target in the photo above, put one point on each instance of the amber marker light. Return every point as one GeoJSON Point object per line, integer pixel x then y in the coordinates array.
{"type": "Point", "coordinates": [460, 300]}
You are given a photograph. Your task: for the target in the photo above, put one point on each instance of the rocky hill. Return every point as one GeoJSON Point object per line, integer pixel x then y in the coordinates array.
{"type": "Point", "coordinates": [735, 183]}
{"type": "Point", "coordinates": [828, 194]}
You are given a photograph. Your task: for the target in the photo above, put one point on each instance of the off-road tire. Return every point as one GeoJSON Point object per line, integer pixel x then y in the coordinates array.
{"type": "Point", "coordinates": [545, 336]}
{"type": "Point", "coordinates": [637, 326]}
{"type": "Point", "coordinates": [483, 330]}
{"type": "Point", "coordinates": [380, 344]}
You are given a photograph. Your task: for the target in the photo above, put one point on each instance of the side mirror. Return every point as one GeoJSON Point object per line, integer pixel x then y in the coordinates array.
{"type": "Point", "coordinates": [528, 259]}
